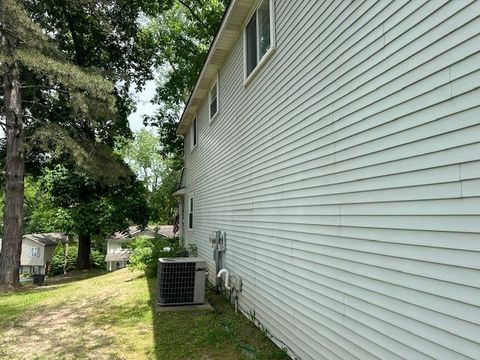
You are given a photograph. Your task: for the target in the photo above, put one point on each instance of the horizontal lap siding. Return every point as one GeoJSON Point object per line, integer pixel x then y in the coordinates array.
{"type": "Point", "coordinates": [347, 178]}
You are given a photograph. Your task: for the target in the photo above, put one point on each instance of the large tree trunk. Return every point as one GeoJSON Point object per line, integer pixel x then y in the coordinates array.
{"type": "Point", "coordinates": [15, 165]}
{"type": "Point", "coordinates": [83, 256]}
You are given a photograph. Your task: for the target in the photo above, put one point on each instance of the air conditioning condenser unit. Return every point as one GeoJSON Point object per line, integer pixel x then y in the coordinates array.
{"type": "Point", "coordinates": [181, 281]}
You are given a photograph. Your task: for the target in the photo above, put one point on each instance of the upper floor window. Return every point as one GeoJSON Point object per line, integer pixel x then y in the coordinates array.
{"type": "Point", "coordinates": [213, 100]}
{"type": "Point", "coordinates": [194, 133]}
{"type": "Point", "coordinates": [33, 252]}
{"type": "Point", "coordinates": [259, 36]}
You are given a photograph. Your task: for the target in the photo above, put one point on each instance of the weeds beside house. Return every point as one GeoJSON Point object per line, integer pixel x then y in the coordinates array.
{"type": "Point", "coordinates": [147, 251]}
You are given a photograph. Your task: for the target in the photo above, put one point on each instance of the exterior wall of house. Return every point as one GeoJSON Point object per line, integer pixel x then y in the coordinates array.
{"type": "Point", "coordinates": [115, 265]}
{"type": "Point", "coordinates": [26, 259]}
{"type": "Point", "coordinates": [113, 246]}
{"type": "Point", "coordinates": [347, 177]}
{"type": "Point", "coordinates": [181, 226]}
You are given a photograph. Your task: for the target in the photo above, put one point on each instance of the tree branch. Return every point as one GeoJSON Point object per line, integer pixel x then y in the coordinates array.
{"type": "Point", "coordinates": [192, 12]}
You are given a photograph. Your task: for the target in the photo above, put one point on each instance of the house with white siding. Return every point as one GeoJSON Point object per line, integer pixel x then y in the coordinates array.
{"type": "Point", "coordinates": [337, 144]}
{"type": "Point", "coordinates": [37, 252]}
{"type": "Point", "coordinates": [118, 254]}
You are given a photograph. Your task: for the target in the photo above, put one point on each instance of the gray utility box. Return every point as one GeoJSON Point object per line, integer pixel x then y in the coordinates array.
{"type": "Point", "coordinates": [181, 281]}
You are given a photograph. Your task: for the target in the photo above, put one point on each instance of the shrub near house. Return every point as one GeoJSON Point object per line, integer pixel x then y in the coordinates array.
{"type": "Point", "coordinates": [146, 252]}
{"type": "Point", "coordinates": [58, 264]}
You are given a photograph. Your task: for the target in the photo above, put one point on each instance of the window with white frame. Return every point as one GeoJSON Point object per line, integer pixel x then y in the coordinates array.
{"type": "Point", "coordinates": [190, 213]}
{"type": "Point", "coordinates": [259, 36]}
{"type": "Point", "coordinates": [33, 252]}
{"type": "Point", "coordinates": [213, 100]}
{"type": "Point", "coordinates": [194, 133]}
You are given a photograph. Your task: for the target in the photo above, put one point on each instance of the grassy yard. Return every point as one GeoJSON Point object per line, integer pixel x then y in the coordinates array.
{"type": "Point", "coordinates": [109, 316]}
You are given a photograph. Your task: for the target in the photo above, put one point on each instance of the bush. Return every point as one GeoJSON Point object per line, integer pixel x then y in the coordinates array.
{"type": "Point", "coordinates": [58, 259]}
{"type": "Point", "coordinates": [147, 251]}
{"type": "Point", "coordinates": [97, 260]}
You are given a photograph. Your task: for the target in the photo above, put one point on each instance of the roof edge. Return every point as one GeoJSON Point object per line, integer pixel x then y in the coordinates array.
{"type": "Point", "coordinates": [242, 7]}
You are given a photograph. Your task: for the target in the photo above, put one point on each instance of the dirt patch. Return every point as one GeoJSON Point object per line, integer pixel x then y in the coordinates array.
{"type": "Point", "coordinates": [70, 328]}
{"type": "Point", "coordinates": [65, 331]}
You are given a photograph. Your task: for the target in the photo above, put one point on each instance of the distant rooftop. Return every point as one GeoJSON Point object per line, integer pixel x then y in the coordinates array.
{"type": "Point", "coordinates": [47, 239]}
{"type": "Point", "coordinates": [123, 255]}
{"type": "Point", "coordinates": [149, 231]}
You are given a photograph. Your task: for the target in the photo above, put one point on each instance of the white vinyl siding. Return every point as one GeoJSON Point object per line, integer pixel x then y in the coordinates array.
{"type": "Point", "coordinates": [347, 179]}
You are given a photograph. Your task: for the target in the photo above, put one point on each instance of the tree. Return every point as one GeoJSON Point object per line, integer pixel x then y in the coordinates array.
{"type": "Point", "coordinates": [105, 35]}
{"type": "Point", "coordinates": [25, 46]}
{"type": "Point", "coordinates": [14, 167]}
{"type": "Point", "coordinates": [39, 214]}
{"type": "Point", "coordinates": [163, 204]}
{"type": "Point", "coordinates": [88, 207]}
{"type": "Point", "coordinates": [182, 36]}
{"type": "Point", "coordinates": [108, 36]}
{"type": "Point", "coordinates": [143, 154]}
{"type": "Point", "coordinates": [159, 172]}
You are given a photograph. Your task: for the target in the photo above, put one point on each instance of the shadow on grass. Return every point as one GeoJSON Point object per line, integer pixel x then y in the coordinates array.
{"type": "Point", "coordinates": [54, 282]}
{"type": "Point", "coordinates": [208, 335]}
{"type": "Point", "coordinates": [76, 275]}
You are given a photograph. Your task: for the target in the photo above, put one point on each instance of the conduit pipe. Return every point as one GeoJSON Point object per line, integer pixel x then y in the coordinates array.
{"type": "Point", "coordinates": [227, 277]}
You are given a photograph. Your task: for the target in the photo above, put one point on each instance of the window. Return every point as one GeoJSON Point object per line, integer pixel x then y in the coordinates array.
{"type": "Point", "coordinates": [190, 214]}
{"type": "Point", "coordinates": [258, 36]}
{"type": "Point", "coordinates": [33, 252]}
{"type": "Point", "coordinates": [194, 133]}
{"type": "Point", "coordinates": [213, 100]}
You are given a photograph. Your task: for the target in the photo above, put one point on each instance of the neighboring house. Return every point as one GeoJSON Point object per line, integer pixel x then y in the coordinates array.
{"type": "Point", "coordinates": [338, 145]}
{"type": "Point", "coordinates": [37, 252]}
{"type": "Point", "coordinates": [117, 255]}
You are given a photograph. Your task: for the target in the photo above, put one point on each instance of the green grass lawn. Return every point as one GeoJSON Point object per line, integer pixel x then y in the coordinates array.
{"type": "Point", "coordinates": [98, 315]}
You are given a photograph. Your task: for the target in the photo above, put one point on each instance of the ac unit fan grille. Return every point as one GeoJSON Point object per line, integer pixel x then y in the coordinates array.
{"type": "Point", "coordinates": [176, 283]}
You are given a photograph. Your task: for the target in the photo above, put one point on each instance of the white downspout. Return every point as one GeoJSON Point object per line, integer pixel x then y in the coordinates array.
{"type": "Point", "coordinates": [227, 277]}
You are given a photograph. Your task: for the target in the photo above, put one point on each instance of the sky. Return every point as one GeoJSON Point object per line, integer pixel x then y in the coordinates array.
{"type": "Point", "coordinates": [144, 107]}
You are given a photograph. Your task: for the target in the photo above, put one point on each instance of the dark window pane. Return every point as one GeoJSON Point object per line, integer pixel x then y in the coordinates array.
{"type": "Point", "coordinates": [213, 108]}
{"type": "Point", "coordinates": [251, 45]}
{"type": "Point", "coordinates": [213, 101]}
{"type": "Point", "coordinates": [190, 214]}
{"type": "Point", "coordinates": [263, 28]}
{"type": "Point", "coordinates": [194, 131]}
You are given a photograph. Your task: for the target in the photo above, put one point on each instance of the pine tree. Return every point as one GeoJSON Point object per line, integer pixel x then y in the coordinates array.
{"type": "Point", "coordinates": [25, 47]}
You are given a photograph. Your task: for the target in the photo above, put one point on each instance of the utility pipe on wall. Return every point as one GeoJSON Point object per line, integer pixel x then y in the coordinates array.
{"type": "Point", "coordinates": [227, 277]}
